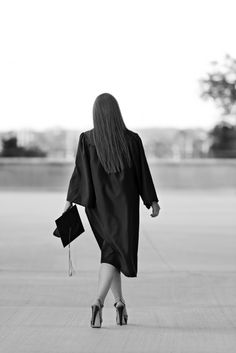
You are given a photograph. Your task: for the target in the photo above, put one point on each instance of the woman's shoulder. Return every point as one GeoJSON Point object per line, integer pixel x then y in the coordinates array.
{"type": "Point", "coordinates": [132, 134]}
{"type": "Point", "coordinates": [88, 135]}
{"type": "Point", "coordinates": [133, 138]}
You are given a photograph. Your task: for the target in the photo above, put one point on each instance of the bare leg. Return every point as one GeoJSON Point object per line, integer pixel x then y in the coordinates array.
{"type": "Point", "coordinates": [116, 286]}
{"type": "Point", "coordinates": [106, 272]}
{"type": "Point", "coordinates": [117, 293]}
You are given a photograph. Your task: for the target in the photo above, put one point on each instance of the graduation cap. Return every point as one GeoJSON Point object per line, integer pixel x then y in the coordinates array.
{"type": "Point", "coordinates": [69, 227]}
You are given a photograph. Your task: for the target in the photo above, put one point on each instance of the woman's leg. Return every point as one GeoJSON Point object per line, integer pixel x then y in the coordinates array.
{"type": "Point", "coordinates": [105, 277]}
{"type": "Point", "coordinates": [118, 297]}
{"type": "Point", "coordinates": [116, 286]}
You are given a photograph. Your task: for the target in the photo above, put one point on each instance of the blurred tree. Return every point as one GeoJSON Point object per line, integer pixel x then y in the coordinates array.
{"type": "Point", "coordinates": [10, 148]}
{"type": "Point", "coordinates": [223, 137]}
{"type": "Point", "coordinates": [162, 149]}
{"type": "Point", "coordinates": [220, 86]}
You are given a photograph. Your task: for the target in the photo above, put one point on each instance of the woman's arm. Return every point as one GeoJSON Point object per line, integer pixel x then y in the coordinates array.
{"type": "Point", "coordinates": [155, 209]}
{"type": "Point", "coordinates": [145, 182]}
{"type": "Point", "coordinates": [67, 205]}
{"type": "Point", "coordinates": [81, 189]}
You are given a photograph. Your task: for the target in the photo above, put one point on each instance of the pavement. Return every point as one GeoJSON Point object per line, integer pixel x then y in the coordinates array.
{"type": "Point", "coordinates": [183, 300]}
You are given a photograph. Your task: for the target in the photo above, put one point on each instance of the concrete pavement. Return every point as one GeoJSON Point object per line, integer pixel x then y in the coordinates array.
{"type": "Point", "coordinates": [183, 300]}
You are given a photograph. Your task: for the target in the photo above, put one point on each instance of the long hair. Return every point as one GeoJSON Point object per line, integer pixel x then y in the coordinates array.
{"type": "Point", "coordinates": [109, 134]}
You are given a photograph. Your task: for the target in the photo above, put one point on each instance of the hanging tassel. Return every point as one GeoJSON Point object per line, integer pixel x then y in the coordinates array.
{"type": "Point", "coordinates": [71, 269]}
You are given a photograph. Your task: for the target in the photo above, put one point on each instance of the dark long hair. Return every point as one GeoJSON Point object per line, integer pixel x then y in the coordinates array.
{"type": "Point", "coordinates": [109, 134]}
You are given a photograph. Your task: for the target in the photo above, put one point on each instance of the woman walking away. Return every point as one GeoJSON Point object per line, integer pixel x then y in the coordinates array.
{"type": "Point", "coordinates": [110, 174]}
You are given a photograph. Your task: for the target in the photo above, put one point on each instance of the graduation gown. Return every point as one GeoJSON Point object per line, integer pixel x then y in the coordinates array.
{"type": "Point", "coordinates": [112, 201]}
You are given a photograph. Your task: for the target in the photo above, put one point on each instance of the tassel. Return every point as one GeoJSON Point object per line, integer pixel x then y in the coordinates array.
{"type": "Point", "coordinates": [71, 269]}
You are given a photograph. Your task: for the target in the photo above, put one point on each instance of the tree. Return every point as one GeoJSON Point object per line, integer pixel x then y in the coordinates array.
{"type": "Point", "coordinates": [11, 149]}
{"type": "Point", "coordinates": [223, 137]}
{"type": "Point", "coordinates": [220, 86]}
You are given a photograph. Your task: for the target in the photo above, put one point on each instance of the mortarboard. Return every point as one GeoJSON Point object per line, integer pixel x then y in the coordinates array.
{"type": "Point", "coordinates": [69, 227]}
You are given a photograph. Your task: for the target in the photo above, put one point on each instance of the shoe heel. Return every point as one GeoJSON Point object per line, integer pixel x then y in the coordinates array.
{"type": "Point", "coordinates": [96, 320]}
{"type": "Point", "coordinates": [121, 319]}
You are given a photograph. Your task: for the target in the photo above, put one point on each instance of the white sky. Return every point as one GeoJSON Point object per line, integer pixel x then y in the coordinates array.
{"type": "Point", "coordinates": [57, 56]}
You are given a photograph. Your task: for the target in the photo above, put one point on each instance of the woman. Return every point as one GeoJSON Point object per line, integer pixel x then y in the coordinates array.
{"type": "Point", "coordinates": [110, 173]}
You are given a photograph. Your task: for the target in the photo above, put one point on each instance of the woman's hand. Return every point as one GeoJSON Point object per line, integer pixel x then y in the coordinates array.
{"type": "Point", "coordinates": [155, 209]}
{"type": "Point", "coordinates": [67, 205]}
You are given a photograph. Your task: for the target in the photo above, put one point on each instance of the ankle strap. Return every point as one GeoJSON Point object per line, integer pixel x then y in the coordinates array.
{"type": "Point", "coordinates": [101, 303]}
{"type": "Point", "coordinates": [119, 300]}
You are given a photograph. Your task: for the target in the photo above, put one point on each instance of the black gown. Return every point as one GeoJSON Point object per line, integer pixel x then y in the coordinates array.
{"type": "Point", "coordinates": [112, 201]}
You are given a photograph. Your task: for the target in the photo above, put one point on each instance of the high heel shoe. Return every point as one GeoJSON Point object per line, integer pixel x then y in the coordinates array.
{"type": "Point", "coordinates": [96, 319]}
{"type": "Point", "coordinates": [121, 313]}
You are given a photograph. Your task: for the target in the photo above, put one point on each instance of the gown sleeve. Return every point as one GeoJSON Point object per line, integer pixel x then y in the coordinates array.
{"type": "Point", "coordinates": [145, 182]}
{"type": "Point", "coordinates": [81, 189]}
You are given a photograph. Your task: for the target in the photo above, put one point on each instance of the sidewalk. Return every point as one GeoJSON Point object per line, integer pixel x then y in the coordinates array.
{"type": "Point", "coordinates": [183, 300]}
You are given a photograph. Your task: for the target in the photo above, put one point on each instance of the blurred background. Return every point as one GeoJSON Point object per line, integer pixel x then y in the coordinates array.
{"type": "Point", "coordinates": [172, 67]}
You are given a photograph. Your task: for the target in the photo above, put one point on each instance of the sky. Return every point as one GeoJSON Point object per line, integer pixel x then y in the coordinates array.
{"type": "Point", "coordinates": [56, 57]}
